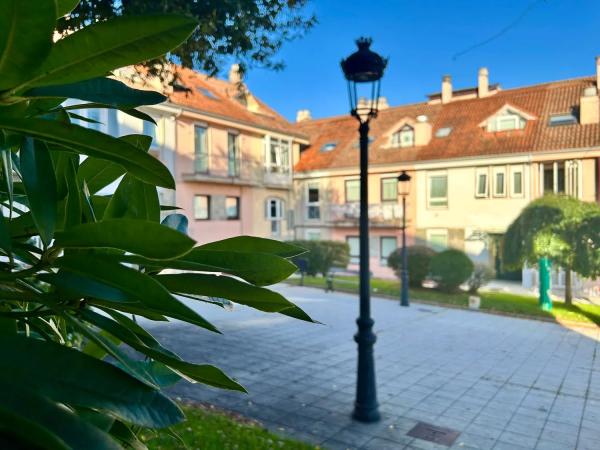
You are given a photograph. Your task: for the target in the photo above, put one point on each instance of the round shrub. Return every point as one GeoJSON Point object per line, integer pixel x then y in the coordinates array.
{"type": "Point", "coordinates": [419, 258]}
{"type": "Point", "coordinates": [450, 269]}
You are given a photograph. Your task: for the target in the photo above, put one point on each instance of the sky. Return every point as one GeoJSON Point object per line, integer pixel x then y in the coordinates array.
{"type": "Point", "coordinates": [555, 39]}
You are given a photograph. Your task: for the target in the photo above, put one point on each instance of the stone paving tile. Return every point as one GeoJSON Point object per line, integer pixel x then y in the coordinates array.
{"type": "Point", "coordinates": [502, 383]}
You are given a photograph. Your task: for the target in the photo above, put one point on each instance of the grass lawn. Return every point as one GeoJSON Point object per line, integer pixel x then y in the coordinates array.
{"type": "Point", "coordinates": [209, 429]}
{"type": "Point", "coordinates": [490, 301]}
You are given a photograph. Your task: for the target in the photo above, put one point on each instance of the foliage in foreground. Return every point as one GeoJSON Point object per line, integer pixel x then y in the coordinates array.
{"type": "Point", "coordinates": [494, 302]}
{"type": "Point", "coordinates": [322, 256]}
{"type": "Point", "coordinates": [562, 228]}
{"type": "Point", "coordinates": [75, 265]}
{"type": "Point", "coordinates": [208, 429]}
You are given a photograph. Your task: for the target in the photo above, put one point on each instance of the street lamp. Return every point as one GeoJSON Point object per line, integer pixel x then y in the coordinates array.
{"type": "Point", "coordinates": [404, 190]}
{"type": "Point", "coordinates": [363, 70]}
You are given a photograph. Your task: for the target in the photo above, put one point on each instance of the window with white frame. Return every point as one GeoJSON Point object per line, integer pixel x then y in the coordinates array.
{"type": "Point", "coordinates": [313, 235]}
{"type": "Point", "coordinates": [352, 191]}
{"type": "Point", "coordinates": [278, 155]}
{"type": "Point", "coordinates": [404, 137]}
{"type": "Point", "coordinates": [437, 239]}
{"type": "Point", "coordinates": [202, 207]}
{"type": "Point", "coordinates": [313, 202]}
{"type": "Point", "coordinates": [506, 121]}
{"type": "Point", "coordinates": [387, 244]}
{"type": "Point", "coordinates": [232, 208]}
{"type": "Point", "coordinates": [481, 183]}
{"type": "Point", "coordinates": [561, 177]}
{"type": "Point", "coordinates": [233, 154]}
{"type": "Point", "coordinates": [354, 244]}
{"type": "Point", "coordinates": [499, 182]}
{"type": "Point", "coordinates": [200, 149]}
{"type": "Point", "coordinates": [438, 190]}
{"type": "Point", "coordinates": [389, 189]}
{"type": "Point", "coordinates": [274, 213]}
{"type": "Point", "coordinates": [516, 181]}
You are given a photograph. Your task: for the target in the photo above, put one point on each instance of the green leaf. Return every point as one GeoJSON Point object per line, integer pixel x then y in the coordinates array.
{"type": "Point", "coordinates": [40, 184]}
{"type": "Point", "coordinates": [5, 242]}
{"type": "Point", "coordinates": [104, 46]}
{"type": "Point", "coordinates": [148, 292]}
{"type": "Point", "coordinates": [88, 382]}
{"type": "Point", "coordinates": [94, 143]}
{"type": "Point", "coordinates": [101, 90]}
{"type": "Point", "coordinates": [225, 287]}
{"type": "Point", "coordinates": [251, 244]}
{"type": "Point", "coordinates": [77, 285]}
{"type": "Point", "coordinates": [26, 431]}
{"type": "Point", "coordinates": [64, 7]}
{"type": "Point", "coordinates": [134, 199]}
{"type": "Point", "coordinates": [129, 111]}
{"type": "Point", "coordinates": [26, 29]}
{"type": "Point", "coordinates": [145, 238]}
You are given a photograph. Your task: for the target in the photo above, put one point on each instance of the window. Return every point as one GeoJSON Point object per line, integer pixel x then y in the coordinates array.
{"type": "Point", "coordinates": [93, 115]}
{"type": "Point", "coordinates": [404, 137]}
{"type": "Point", "coordinates": [352, 191]}
{"type": "Point", "coordinates": [233, 155]}
{"type": "Point", "coordinates": [557, 120]}
{"type": "Point", "coordinates": [329, 146]}
{"type": "Point", "coordinates": [232, 208]}
{"type": "Point", "coordinates": [561, 177]}
{"type": "Point", "coordinates": [387, 245]}
{"type": "Point", "coordinates": [438, 191]}
{"type": "Point", "coordinates": [313, 202]}
{"type": "Point", "coordinates": [437, 239]}
{"type": "Point", "coordinates": [443, 132]}
{"type": "Point", "coordinates": [149, 129]}
{"type": "Point", "coordinates": [481, 183]}
{"type": "Point", "coordinates": [506, 121]}
{"type": "Point", "coordinates": [202, 207]}
{"type": "Point", "coordinates": [313, 235]}
{"type": "Point", "coordinates": [499, 182]}
{"type": "Point", "coordinates": [200, 149]}
{"type": "Point", "coordinates": [278, 155]}
{"type": "Point", "coordinates": [274, 213]}
{"type": "Point", "coordinates": [516, 188]}
{"type": "Point", "coordinates": [354, 244]}
{"type": "Point", "coordinates": [389, 189]}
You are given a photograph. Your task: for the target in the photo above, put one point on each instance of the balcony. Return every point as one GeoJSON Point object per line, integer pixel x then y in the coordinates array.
{"type": "Point", "coordinates": [380, 214]}
{"type": "Point", "coordinates": [242, 172]}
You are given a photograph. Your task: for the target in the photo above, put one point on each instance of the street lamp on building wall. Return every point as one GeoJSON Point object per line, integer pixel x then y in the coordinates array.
{"type": "Point", "coordinates": [363, 70]}
{"type": "Point", "coordinates": [404, 190]}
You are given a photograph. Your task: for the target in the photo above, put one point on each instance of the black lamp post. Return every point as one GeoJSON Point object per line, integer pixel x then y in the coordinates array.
{"type": "Point", "coordinates": [363, 71]}
{"type": "Point", "coordinates": [404, 189]}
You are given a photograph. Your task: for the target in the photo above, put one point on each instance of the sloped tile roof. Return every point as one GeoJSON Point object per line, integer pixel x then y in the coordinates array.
{"type": "Point", "coordinates": [222, 102]}
{"type": "Point", "coordinates": [467, 139]}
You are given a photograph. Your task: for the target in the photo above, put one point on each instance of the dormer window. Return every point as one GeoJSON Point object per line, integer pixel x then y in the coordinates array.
{"type": "Point", "coordinates": [404, 137]}
{"type": "Point", "coordinates": [506, 122]}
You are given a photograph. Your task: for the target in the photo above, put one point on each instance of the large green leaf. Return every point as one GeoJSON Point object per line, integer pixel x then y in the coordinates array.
{"type": "Point", "coordinates": [94, 143]}
{"type": "Point", "coordinates": [251, 244]}
{"type": "Point", "coordinates": [25, 38]}
{"type": "Point", "coordinates": [64, 7]}
{"type": "Point", "coordinates": [151, 295]}
{"type": "Point", "coordinates": [40, 184]}
{"type": "Point", "coordinates": [134, 199]}
{"type": "Point", "coordinates": [129, 111]}
{"type": "Point", "coordinates": [19, 432]}
{"type": "Point", "coordinates": [101, 90]}
{"type": "Point", "coordinates": [225, 287]}
{"type": "Point", "coordinates": [72, 377]}
{"type": "Point", "coordinates": [104, 46]}
{"type": "Point", "coordinates": [149, 239]}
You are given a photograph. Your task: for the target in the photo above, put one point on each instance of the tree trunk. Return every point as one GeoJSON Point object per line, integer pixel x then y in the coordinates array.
{"type": "Point", "coordinates": [568, 288]}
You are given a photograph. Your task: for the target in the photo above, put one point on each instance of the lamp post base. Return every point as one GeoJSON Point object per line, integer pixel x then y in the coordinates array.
{"type": "Point", "coordinates": [366, 408]}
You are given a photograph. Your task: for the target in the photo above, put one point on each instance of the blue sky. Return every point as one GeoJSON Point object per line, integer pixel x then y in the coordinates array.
{"type": "Point", "coordinates": [557, 39]}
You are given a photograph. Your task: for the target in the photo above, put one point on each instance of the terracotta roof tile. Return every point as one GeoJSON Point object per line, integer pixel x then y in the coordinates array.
{"type": "Point", "coordinates": [467, 138]}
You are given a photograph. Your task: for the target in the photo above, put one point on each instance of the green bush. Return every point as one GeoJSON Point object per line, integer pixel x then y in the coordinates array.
{"type": "Point", "coordinates": [321, 256]}
{"type": "Point", "coordinates": [419, 257]}
{"type": "Point", "coordinates": [450, 269]}
{"type": "Point", "coordinates": [76, 265]}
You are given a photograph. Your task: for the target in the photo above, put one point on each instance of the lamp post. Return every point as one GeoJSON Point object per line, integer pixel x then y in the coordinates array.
{"type": "Point", "coordinates": [363, 71]}
{"type": "Point", "coordinates": [404, 189]}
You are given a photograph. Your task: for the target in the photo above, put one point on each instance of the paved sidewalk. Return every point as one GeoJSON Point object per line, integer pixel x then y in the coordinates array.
{"type": "Point", "coordinates": [503, 383]}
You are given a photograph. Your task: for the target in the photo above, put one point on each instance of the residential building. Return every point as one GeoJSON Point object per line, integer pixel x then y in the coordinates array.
{"type": "Point", "coordinates": [477, 157]}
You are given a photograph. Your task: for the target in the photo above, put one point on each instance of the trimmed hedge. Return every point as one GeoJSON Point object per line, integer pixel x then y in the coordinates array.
{"type": "Point", "coordinates": [419, 258]}
{"type": "Point", "coordinates": [450, 269]}
{"type": "Point", "coordinates": [322, 256]}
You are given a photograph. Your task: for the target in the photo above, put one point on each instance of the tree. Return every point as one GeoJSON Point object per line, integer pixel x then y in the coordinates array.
{"type": "Point", "coordinates": [75, 265]}
{"type": "Point", "coordinates": [558, 227]}
{"type": "Point", "coordinates": [252, 31]}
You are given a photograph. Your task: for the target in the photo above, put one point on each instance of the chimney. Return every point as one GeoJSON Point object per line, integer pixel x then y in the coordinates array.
{"type": "Point", "coordinates": [446, 89]}
{"type": "Point", "coordinates": [589, 106]}
{"type": "Point", "coordinates": [422, 130]}
{"type": "Point", "coordinates": [235, 77]}
{"type": "Point", "coordinates": [382, 103]}
{"type": "Point", "coordinates": [302, 115]}
{"type": "Point", "coordinates": [483, 83]}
